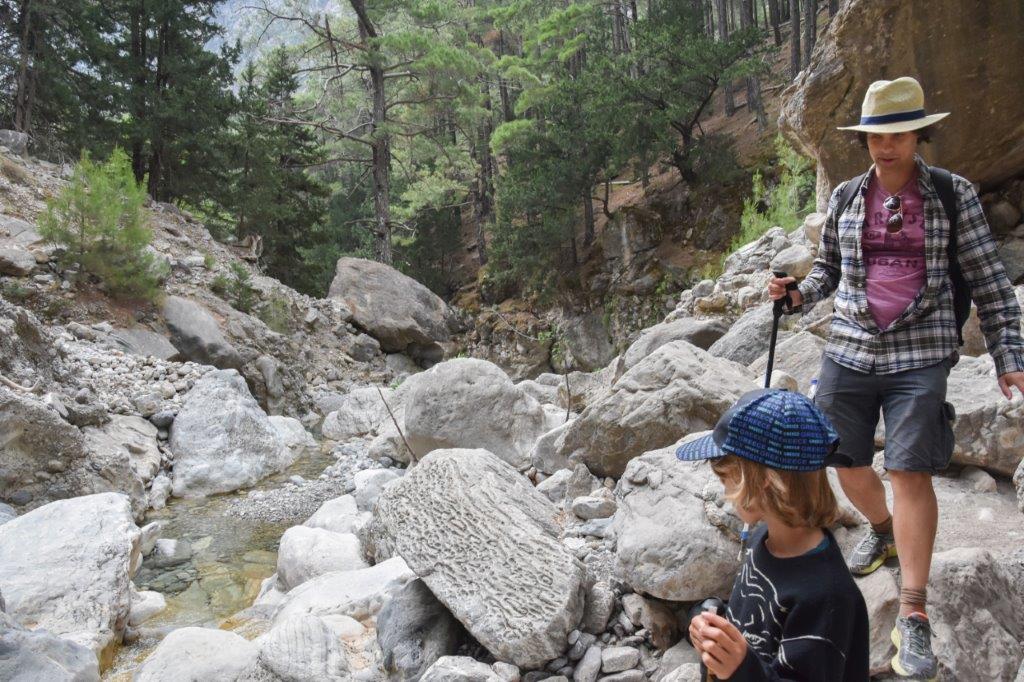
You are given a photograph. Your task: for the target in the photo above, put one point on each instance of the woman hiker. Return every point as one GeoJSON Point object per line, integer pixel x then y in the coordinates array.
{"type": "Point", "coordinates": [894, 338]}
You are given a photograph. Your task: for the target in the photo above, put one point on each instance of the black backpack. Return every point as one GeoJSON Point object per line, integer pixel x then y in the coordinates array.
{"type": "Point", "coordinates": [943, 181]}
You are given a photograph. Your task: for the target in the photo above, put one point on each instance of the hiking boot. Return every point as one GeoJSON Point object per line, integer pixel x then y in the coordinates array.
{"type": "Point", "coordinates": [871, 552]}
{"type": "Point", "coordinates": [913, 639]}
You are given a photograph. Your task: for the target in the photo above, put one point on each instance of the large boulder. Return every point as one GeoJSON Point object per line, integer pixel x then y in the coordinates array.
{"type": "Point", "coordinates": [144, 343]}
{"type": "Point", "coordinates": [586, 342]}
{"type": "Point", "coordinates": [701, 333]}
{"type": "Point", "coordinates": [676, 540]}
{"type": "Point", "coordinates": [486, 544]}
{"type": "Point", "coordinates": [195, 333]}
{"type": "Point", "coordinates": [395, 309]}
{"type": "Point", "coordinates": [192, 653]}
{"type": "Point", "coordinates": [467, 402]}
{"type": "Point", "coordinates": [43, 457]}
{"type": "Point", "coordinates": [222, 440]}
{"type": "Point", "coordinates": [868, 40]}
{"type": "Point", "coordinates": [674, 391]}
{"type": "Point", "coordinates": [989, 428]}
{"type": "Point", "coordinates": [67, 566]}
{"type": "Point", "coordinates": [749, 337]}
{"type": "Point", "coordinates": [130, 439]}
{"type": "Point", "coordinates": [16, 261]}
{"type": "Point", "coordinates": [414, 629]}
{"type": "Point", "coordinates": [798, 355]}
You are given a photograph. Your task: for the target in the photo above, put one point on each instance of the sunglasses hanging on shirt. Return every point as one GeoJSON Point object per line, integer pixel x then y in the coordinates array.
{"type": "Point", "coordinates": [894, 205]}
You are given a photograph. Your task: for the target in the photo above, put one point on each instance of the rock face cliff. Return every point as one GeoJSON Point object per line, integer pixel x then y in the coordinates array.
{"type": "Point", "coordinates": [967, 56]}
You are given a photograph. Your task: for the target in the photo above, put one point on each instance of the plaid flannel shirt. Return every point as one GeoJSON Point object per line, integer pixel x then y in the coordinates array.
{"type": "Point", "coordinates": [925, 333]}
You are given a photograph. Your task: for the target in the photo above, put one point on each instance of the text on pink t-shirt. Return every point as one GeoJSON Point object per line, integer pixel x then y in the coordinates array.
{"type": "Point", "coordinates": [895, 262]}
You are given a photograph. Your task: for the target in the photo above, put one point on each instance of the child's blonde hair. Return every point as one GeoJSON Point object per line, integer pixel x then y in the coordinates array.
{"type": "Point", "coordinates": [798, 498]}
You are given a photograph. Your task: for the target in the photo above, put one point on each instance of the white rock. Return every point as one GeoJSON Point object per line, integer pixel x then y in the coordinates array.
{"type": "Point", "coordinates": [795, 261]}
{"type": "Point", "coordinates": [306, 553]}
{"type": "Point", "coordinates": [593, 507]}
{"type": "Point", "coordinates": [41, 656]}
{"type": "Point", "coordinates": [467, 402]}
{"type": "Point", "coordinates": [676, 390]}
{"type": "Point", "coordinates": [358, 594]}
{"type": "Point", "coordinates": [979, 480]}
{"type": "Point", "coordinates": [301, 648]}
{"type": "Point", "coordinates": [989, 428]}
{"type": "Point", "coordinates": [67, 567]}
{"type": "Point", "coordinates": [191, 653]}
{"type": "Point", "coordinates": [340, 515]}
{"type": "Point", "coordinates": [222, 440]}
{"type": "Point", "coordinates": [458, 669]}
{"type": "Point", "coordinates": [618, 658]}
{"type": "Point", "coordinates": [369, 484]}
{"type": "Point", "coordinates": [358, 414]}
{"type": "Point", "coordinates": [145, 605]}
{"type": "Point", "coordinates": [293, 435]}
{"type": "Point", "coordinates": [675, 539]}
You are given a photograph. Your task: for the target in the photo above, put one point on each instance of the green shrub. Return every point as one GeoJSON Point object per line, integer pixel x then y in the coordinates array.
{"type": "Point", "coordinates": [276, 314]}
{"type": "Point", "coordinates": [784, 204]}
{"type": "Point", "coordinates": [99, 218]}
{"type": "Point", "coordinates": [237, 289]}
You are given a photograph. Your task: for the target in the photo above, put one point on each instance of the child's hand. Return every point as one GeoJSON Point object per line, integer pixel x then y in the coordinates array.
{"type": "Point", "coordinates": [722, 646]}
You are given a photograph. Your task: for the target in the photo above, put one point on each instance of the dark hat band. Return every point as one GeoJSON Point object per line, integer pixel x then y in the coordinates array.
{"type": "Point", "coordinates": [893, 118]}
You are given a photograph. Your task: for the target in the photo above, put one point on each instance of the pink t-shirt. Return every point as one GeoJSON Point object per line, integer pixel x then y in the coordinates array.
{"type": "Point", "coordinates": [895, 262]}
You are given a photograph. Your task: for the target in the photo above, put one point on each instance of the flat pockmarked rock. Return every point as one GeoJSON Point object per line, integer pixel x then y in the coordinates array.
{"type": "Point", "coordinates": [458, 669]}
{"type": "Point", "coordinates": [222, 439]}
{"type": "Point", "coordinates": [486, 544]}
{"type": "Point", "coordinates": [66, 567]}
{"type": "Point", "coordinates": [676, 390]}
{"type": "Point", "coordinates": [359, 411]}
{"type": "Point", "coordinates": [701, 333]}
{"type": "Point", "coordinates": [467, 402]}
{"type": "Point", "coordinates": [676, 541]}
{"type": "Point", "coordinates": [193, 653]}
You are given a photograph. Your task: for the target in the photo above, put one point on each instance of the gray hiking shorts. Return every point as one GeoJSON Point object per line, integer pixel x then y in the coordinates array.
{"type": "Point", "coordinates": [918, 420]}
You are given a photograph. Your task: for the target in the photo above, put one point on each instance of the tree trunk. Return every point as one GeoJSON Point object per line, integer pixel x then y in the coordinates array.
{"type": "Point", "coordinates": [774, 20]}
{"type": "Point", "coordinates": [380, 143]}
{"type": "Point", "coordinates": [24, 88]}
{"type": "Point", "coordinates": [137, 97]}
{"type": "Point", "coordinates": [722, 11]}
{"type": "Point", "coordinates": [794, 38]}
{"type": "Point", "coordinates": [483, 187]}
{"type": "Point", "coordinates": [810, 24]}
{"type": "Point", "coordinates": [506, 101]}
{"type": "Point", "coordinates": [157, 149]}
{"type": "Point", "coordinates": [754, 102]}
{"type": "Point", "coordinates": [588, 218]}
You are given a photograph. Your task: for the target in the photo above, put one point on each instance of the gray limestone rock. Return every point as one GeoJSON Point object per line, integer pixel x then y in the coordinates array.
{"type": "Point", "coordinates": [197, 335]}
{"type": "Point", "coordinates": [414, 630]}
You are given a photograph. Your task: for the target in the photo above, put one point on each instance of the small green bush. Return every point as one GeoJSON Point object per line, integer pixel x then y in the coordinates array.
{"type": "Point", "coordinates": [99, 218]}
{"type": "Point", "coordinates": [784, 204]}
{"type": "Point", "coordinates": [237, 289]}
{"type": "Point", "coordinates": [276, 314]}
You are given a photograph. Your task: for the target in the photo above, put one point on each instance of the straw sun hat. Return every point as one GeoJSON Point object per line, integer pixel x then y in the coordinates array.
{"type": "Point", "coordinates": [894, 107]}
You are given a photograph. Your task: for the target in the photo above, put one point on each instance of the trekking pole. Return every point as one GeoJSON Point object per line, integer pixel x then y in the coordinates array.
{"type": "Point", "coordinates": [784, 303]}
{"type": "Point", "coordinates": [716, 606]}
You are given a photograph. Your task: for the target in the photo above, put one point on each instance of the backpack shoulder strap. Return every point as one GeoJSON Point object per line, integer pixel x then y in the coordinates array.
{"type": "Point", "coordinates": [943, 181]}
{"type": "Point", "coordinates": [846, 196]}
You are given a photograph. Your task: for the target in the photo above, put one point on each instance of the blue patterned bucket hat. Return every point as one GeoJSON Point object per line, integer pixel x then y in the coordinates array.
{"type": "Point", "coordinates": [776, 428]}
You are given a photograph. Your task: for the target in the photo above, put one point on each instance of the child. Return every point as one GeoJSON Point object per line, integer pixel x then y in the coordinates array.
{"type": "Point", "coordinates": [795, 612]}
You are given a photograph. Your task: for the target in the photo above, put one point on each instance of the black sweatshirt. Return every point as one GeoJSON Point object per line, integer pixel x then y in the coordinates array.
{"type": "Point", "coordinates": [803, 618]}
